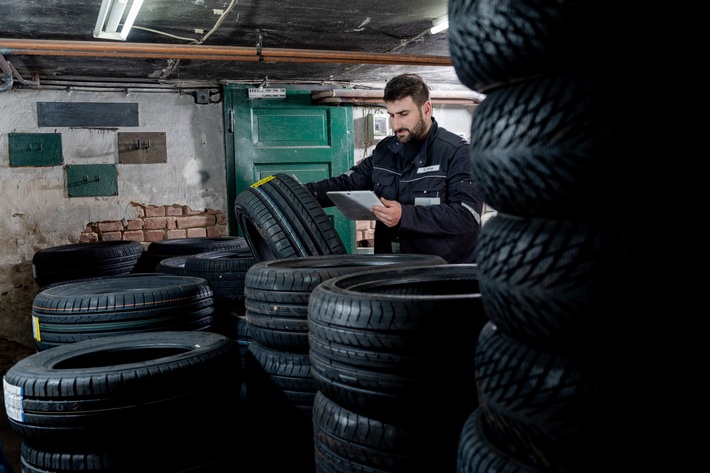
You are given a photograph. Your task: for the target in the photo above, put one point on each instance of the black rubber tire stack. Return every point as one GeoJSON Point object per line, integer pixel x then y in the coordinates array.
{"type": "Point", "coordinates": [280, 388]}
{"type": "Point", "coordinates": [73, 311]}
{"type": "Point", "coordinates": [391, 351]}
{"type": "Point", "coordinates": [553, 367]}
{"type": "Point", "coordinates": [128, 403]}
{"type": "Point", "coordinates": [162, 249]}
{"type": "Point", "coordinates": [225, 271]}
{"type": "Point", "coordinates": [85, 260]}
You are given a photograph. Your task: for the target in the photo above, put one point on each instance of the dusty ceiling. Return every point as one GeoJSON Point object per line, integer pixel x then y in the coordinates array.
{"type": "Point", "coordinates": [218, 41]}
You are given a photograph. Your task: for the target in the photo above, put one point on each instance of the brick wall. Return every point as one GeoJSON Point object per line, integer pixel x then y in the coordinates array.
{"type": "Point", "coordinates": [365, 233]}
{"type": "Point", "coordinates": [159, 222]}
{"type": "Point", "coordinates": [167, 222]}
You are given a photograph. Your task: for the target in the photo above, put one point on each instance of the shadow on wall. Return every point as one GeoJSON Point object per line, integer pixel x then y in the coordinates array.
{"type": "Point", "coordinates": [17, 294]}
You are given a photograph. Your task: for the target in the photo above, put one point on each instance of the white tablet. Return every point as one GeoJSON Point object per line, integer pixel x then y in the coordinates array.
{"type": "Point", "coordinates": [355, 205]}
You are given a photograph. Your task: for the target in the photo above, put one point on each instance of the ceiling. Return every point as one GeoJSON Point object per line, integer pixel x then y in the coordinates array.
{"type": "Point", "coordinates": [321, 42]}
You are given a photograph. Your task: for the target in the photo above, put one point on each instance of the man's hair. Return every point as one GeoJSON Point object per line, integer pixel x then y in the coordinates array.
{"type": "Point", "coordinates": [407, 85]}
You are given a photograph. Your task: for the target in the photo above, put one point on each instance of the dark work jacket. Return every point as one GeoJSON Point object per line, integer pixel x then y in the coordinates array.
{"type": "Point", "coordinates": [441, 208]}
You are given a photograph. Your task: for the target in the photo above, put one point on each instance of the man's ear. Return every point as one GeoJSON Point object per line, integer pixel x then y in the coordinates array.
{"type": "Point", "coordinates": [428, 109]}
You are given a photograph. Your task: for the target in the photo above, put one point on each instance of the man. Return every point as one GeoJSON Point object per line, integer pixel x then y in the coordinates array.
{"type": "Point", "coordinates": [423, 177]}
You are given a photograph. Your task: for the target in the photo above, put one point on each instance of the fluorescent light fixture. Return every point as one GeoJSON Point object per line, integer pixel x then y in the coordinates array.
{"type": "Point", "coordinates": [110, 17]}
{"type": "Point", "coordinates": [440, 24]}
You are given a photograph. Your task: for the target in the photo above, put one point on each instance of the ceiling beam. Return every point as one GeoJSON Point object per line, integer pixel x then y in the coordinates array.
{"type": "Point", "coordinates": [209, 53]}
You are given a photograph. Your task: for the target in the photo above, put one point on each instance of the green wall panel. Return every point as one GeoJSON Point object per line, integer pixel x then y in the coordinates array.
{"type": "Point", "coordinates": [90, 180]}
{"type": "Point", "coordinates": [35, 149]}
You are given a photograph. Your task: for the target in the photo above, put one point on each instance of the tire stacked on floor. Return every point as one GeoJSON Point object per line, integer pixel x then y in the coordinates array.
{"type": "Point", "coordinates": [391, 351]}
{"type": "Point", "coordinates": [225, 271]}
{"type": "Point", "coordinates": [85, 260]}
{"type": "Point", "coordinates": [173, 265]}
{"type": "Point", "coordinates": [222, 261]}
{"type": "Point", "coordinates": [73, 311]}
{"type": "Point", "coordinates": [159, 250]}
{"type": "Point", "coordinates": [279, 382]}
{"type": "Point", "coordinates": [556, 259]}
{"type": "Point", "coordinates": [135, 403]}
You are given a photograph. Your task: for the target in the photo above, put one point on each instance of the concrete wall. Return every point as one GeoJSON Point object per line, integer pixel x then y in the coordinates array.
{"type": "Point", "coordinates": [37, 213]}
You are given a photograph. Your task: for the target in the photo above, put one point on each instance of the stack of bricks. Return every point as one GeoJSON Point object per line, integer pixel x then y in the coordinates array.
{"type": "Point", "coordinates": [365, 233]}
{"type": "Point", "coordinates": [159, 222]}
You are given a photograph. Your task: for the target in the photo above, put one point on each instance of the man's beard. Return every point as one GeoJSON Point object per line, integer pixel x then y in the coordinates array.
{"type": "Point", "coordinates": [417, 133]}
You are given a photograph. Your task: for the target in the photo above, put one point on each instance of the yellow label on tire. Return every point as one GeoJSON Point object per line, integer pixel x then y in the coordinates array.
{"type": "Point", "coordinates": [35, 328]}
{"type": "Point", "coordinates": [262, 181]}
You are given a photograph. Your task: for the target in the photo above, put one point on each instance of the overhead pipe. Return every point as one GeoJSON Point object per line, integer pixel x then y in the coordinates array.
{"type": "Point", "coordinates": [34, 47]}
{"type": "Point", "coordinates": [369, 96]}
{"type": "Point", "coordinates": [365, 101]}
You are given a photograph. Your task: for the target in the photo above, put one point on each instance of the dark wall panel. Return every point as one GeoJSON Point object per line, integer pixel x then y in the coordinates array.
{"type": "Point", "coordinates": [51, 114]}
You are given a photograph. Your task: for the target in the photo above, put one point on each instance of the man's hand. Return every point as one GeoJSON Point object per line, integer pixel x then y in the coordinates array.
{"type": "Point", "coordinates": [389, 213]}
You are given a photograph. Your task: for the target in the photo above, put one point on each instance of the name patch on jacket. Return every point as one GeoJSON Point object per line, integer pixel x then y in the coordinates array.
{"type": "Point", "coordinates": [428, 169]}
{"type": "Point", "coordinates": [427, 201]}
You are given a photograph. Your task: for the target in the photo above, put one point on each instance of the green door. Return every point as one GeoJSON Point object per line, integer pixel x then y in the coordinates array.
{"type": "Point", "coordinates": [287, 135]}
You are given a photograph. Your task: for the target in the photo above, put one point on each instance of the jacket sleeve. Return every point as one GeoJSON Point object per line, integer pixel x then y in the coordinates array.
{"type": "Point", "coordinates": [358, 177]}
{"type": "Point", "coordinates": [458, 213]}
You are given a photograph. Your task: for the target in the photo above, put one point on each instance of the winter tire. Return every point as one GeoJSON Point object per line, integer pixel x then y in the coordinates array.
{"type": "Point", "coordinates": [548, 411]}
{"type": "Point", "coordinates": [494, 42]}
{"type": "Point", "coordinates": [476, 454]}
{"type": "Point", "coordinates": [545, 148]}
{"type": "Point", "coordinates": [346, 441]}
{"type": "Point", "coordinates": [199, 455]}
{"type": "Point", "coordinates": [556, 284]}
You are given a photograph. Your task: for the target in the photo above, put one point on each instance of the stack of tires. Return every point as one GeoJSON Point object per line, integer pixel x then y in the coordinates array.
{"type": "Point", "coordinates": [222, 261]}
{"type": "Point", "coordinates": [128, 361]}
{"type": "Point", "coordinates": [134, 403]}
{"type": "Point", "coordinates": [280, 388]}
{"type": "Point", "coordinates": [225, 272]}
{"type": "Point", "coordinates": [160, 250]}
{"type": "Point", "coordinates": [85, 309]}
{"type": "Point", "coordinates": [85, 260]}
{"type": "Point", "coordinates": [556, 260]}
{"type": "Point", "coordinates": [392, 351]}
